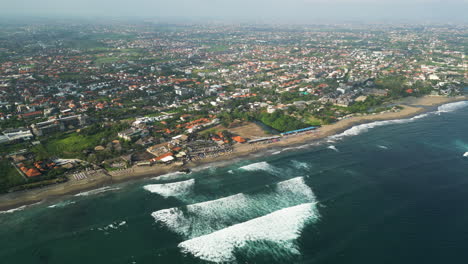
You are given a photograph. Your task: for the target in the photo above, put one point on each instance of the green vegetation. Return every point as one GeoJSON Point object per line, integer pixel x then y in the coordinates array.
{"type": "Point", "coordinates": [368, 104]}
{"type": "Point", "coordinates": [76, 144]}
{"type": "Point", "coordinates": [313, 121]}
{"type": "Point", "coordinates": [9, 176]}
{"type": "Point", "coordinates": [280, 121]}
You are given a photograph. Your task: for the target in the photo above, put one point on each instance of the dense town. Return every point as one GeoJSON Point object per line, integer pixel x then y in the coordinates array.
{"type": "Point", "coordinates": [78, 100]}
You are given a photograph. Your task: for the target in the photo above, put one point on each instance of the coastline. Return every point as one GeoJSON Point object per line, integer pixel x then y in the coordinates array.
{"type": "Point", "coordinates": [411, 107]}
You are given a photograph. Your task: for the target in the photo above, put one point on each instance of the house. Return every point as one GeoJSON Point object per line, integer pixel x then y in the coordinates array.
{"type": "Point", "coordinates": [239, 139]}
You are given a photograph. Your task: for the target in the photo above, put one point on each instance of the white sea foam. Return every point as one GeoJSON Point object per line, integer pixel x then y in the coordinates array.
{"type": "Point", "coordinates": [21, 208]}
{"type": "Point", "coordinates": [466, 154]}
{"type": "Point", "coordinates": [97, 191]}
{"type": "Point", "coordinates": [451, 107]}
{"type": "Point", "coordinates": [61, 204]}
{"type": "Point", "coordinates": [114, 226]}
{"type": "Point", "coordinates": [359, 129]}
{"type": "Point", "coordinates": [300, 165]}
{"type": "Point", "coordinates": [382, 147]}
{"type": "Point", "coordinates": [13, 210]}
{"type": "Point", "coordinates": [282, 227]}
{"type": "Point", "coordinates": [276, 153]}
{"type": "Point", "coordinates": [230, 172]}
{"type": "Point", "coordinates": [169, 176]}
{"type": "Point", "coordinates": [260, 166]}
{"type": "Point", "coordinates": [206, 217]}
{"type": "Point", "coordinates": [171, 189]}
{"type": "Point", "coordinates": [333, 148]}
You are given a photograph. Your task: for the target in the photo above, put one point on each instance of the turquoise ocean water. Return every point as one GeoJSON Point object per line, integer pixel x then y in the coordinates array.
{"type": "Point", "coordinates": [385, 192]}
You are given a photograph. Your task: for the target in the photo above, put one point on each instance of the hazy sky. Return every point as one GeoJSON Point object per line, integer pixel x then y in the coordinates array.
{"type": "Point", "coordinates": [249, 10]}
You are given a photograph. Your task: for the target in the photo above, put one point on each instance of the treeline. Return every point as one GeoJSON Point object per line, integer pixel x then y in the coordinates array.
{"type": "Point", "coordinates": [397, 87]}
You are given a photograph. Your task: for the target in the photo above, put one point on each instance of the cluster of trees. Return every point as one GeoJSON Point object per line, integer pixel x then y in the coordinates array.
{"type": "Point", "coordinates": [280, 121]}
{"type": "Point", "coordinates": [397, 87]}
{"type": "Point", "coordinates": [369, 103]}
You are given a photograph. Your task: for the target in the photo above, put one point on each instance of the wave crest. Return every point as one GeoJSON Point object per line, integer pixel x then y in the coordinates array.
{"type": "Point", "coordinates": [171, 189]}
{"type": "Point", "coordinates": [451, 107]}
{"type": "Point", "coordinates": [206, 217]}
{"type": "Point", "coordinates": [282, 227]}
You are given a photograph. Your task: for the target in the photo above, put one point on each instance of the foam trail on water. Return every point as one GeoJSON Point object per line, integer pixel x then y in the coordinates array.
{"type": "Point", "coordinates": [13, 210]}
{"type": "Point", "coordinates": [451, 107]}
{"type": "Point", "coordinates": [466, 154]}
{"type": "Point", "coordinates": [171, 189]}
{"type": "Point", "coordinates": [382, 147]}
{"type": "Point", "coordinates": [206, 217]}
{"type": "Point", "coordinates": [169, 176]}
{"type": "Point", "coordinates": [96, 191]}
{"type": "Point", "coordinates": [21, 208]}
{"type": "Point", "coordinates": [333, 148]}
{"type": "Point", "coordinates": [359, 129]}
{"type": "Point", "coordinates": [282, 227]}
{"type": "Point", "coordinates": [61, 204]}
{"type": "Point", "coordinates": [300, 165]}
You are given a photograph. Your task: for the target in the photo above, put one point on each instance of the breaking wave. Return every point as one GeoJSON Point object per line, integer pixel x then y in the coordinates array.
{"type": "Point", "coordinates": [282, 227]}
{"type": "Point", "coordinates": [171, 189]}
{"type": "Point", "coordinates": [21, 208]}
{"type": "Point", "coordinates": [61, 204]}
{"type": "Point", "coordinates": [260, 166]}
{"type": "Point", "coordinates": [169, 176]}
{"type": "Point", "coordinates": [465, 155]}
{"type": "Point", "coordinates": [447, 108]}
{"type": "Point", "coordinates": [333, 148]}
{"type": "Point", "coordinates": [97, 191]}
{"type": "Point", "coordinates": [206, 217]}
{"type": "Point", "coordinates": [359, 129]}
{"type": "Point", "coordinates": [382, 147]}
{"type": "Point", "coordinates": [13, 210]}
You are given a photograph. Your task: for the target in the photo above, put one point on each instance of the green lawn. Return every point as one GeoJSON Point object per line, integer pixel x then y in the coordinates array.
{"type": "Point", "coordinates": [70, 146]}
{"type": "Point", "coordinates": [9, 176]}
{"type": "Point", "coordinates": [106, 60]}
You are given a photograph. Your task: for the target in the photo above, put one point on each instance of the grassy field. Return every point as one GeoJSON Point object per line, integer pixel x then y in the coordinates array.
{"type": "Point", "coordinates": [313, 121]}
{"type": "Point", "coordinates": [9, 176]}
{"type": "Point", "coordinates": [70, 146]}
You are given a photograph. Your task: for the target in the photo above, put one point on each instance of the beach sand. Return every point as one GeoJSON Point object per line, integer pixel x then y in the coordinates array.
{"type": "Point", "coordinates": [411, 107]}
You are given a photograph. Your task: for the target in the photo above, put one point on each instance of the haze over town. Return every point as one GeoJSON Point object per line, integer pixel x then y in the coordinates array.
{"type": "Point", "coordinates": [261, 11]}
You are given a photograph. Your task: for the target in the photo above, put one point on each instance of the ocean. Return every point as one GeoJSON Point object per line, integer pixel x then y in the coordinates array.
{"type": "Point", "coordinates": [385, 192]}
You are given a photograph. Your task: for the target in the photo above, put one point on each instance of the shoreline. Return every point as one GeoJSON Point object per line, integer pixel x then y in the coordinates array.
{"type": "Point", "coordinates": [411, 108]}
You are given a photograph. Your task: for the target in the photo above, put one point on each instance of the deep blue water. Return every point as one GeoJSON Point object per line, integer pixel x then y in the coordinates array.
{"type": "Point", "coordinates": [392, 192]}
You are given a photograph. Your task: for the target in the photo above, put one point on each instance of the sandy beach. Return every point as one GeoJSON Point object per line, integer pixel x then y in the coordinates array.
{"type": "Point", "coordinates": [411, 107]}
